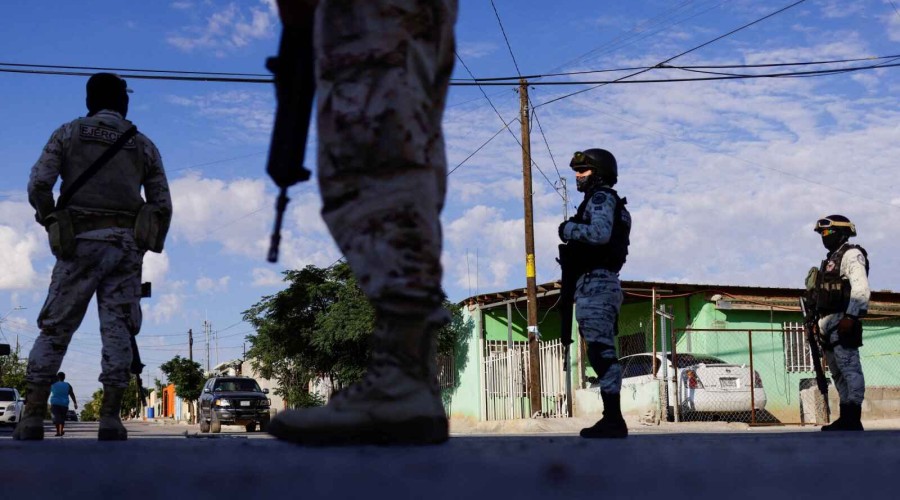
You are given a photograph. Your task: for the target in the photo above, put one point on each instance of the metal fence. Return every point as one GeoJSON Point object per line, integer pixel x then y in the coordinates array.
{"type": "Point", "coordinates": [506, 369]}
{"type": "Point", "coordinates": [766, 376]}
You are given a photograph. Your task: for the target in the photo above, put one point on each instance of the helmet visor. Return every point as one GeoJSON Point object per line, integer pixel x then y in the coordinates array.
{"type": "Point", "coordinates": [823, 224]}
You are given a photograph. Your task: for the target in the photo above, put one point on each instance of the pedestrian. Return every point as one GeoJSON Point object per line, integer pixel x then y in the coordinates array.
{"type": "Point", "coordinates": [382, 71]}
{"type": "Point", "coordinates": [599, 232]}
{"type": "Point", "coordinates": [99, 230]}
{"type": "Point", "coordinates": [841, 298]}
{"type": "Point", "coordinates": [60, 392]}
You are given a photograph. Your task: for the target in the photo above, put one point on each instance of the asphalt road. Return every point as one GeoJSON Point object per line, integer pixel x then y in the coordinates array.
{"type": "Point", "coordinates": [174, 462]}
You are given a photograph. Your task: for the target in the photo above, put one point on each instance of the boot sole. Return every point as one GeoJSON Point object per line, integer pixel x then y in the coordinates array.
{"type": "Point", "coordinates": [29, 434]}
{"type": "Point", "coordinates": [111, 435]}
{"type": "Point", "coordinates": [417, 431]}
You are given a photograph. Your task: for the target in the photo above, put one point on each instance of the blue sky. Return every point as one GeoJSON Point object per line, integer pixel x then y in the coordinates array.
{"type": "Point", "coordinates": [724, 178]}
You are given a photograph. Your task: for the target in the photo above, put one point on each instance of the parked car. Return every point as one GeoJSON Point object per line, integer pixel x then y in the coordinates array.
{"type": "Point", "coordinates": [11, 406]}
{"type": "Point", "coordinates": [703, 384]}
{"type": "Point", "coordinates": [233, 401]}
{"type": "Point", "coordinates": [71, 416]}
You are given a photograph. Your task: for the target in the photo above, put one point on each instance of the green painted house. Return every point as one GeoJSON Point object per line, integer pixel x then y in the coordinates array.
{"type": "Point", "coordinates": [748, 326]}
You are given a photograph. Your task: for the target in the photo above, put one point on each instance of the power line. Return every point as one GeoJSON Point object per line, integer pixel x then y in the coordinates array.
{"type": "Point", "coordinates": [505, 38]}
{"type": "Point", "coordinates": [506, 125]}
{"type": "Point", "coordinates": [480, 147]}
{"type": "Point", "coordinates": [724, 76]}
{"type": "Point", "coordinates": [667, 66]}
{"type": "Point", "coordinates": [144, 77]}
{"type": "Point", "coordinates": [93, 68]}
{"type": "Point", "coordinates": [683, 53]}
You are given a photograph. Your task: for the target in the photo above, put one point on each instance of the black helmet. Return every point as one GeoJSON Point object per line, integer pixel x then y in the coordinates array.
{"type": "Point", "coordinates": [107, 91]}
{"type": "Point", "coordinates": [837, 222]}
{"type": "Point", "coordinates": [600, 160]}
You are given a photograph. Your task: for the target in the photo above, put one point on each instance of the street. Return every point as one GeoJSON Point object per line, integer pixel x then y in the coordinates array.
{"type": "Point", "coordinates": [172, 461]}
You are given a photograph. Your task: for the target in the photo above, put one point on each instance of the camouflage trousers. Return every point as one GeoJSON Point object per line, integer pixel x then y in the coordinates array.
{"type": "Point", "coordinates": [112, 270]}
{"type": "Point", "coordinates": [598, 299]}
{"type": "Point", "coordinates": [846, 371]}
{"type": "Point", "coordinates": [382, 74]}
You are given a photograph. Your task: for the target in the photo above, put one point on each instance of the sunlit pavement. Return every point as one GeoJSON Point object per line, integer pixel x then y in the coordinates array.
{"type": "Point", "coordinates": [176, 461]}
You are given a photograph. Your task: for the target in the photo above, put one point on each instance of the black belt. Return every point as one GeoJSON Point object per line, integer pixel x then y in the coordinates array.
{"type": "Point", "coordinates": [85, 223]}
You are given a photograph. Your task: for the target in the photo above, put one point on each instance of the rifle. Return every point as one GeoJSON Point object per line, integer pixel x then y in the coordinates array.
{"type": "Point", "coordinates": [811, 327]}
{"type": "Point", "coordinates": [567, 263]}
{"type": "Point", "coordinates": [295, 88]}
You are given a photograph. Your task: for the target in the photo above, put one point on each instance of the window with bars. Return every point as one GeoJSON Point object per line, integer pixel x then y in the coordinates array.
{"type": "Point", "coordinates": [446, 371]}
{"type": "Point", "coordinates": [797, 356]}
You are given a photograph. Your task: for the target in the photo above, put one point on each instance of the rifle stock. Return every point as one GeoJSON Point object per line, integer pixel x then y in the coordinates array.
{"type": "Point", "coordinates": [810, 327]}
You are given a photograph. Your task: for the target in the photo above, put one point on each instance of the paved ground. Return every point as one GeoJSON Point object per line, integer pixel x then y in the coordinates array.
{"type": "Point", "coordinates": [727, 461]}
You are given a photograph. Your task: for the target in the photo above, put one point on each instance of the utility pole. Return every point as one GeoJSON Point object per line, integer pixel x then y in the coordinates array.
{"type": "Point", "coordinates": [206, 332]}
{"type": "Point", "coordinates": [534, 357]}
{"type": "Point", "coordinates": [191, 344]}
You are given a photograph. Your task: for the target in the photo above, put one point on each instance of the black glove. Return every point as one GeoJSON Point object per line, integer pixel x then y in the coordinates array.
{"type": "Point", "coordinates": [562, 234]}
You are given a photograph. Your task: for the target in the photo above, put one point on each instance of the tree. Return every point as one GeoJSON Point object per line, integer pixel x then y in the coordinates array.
{"type": "Point", "coordinates": [91, 410]}
{"type": "Point", "coordinates": [319, 326]}
{"type": "Point", "coordinates": [132, 401]}
{"type": "Point", "coordinates": [188, 379]}
{"type": "Point", "coordinates": [12, 371]}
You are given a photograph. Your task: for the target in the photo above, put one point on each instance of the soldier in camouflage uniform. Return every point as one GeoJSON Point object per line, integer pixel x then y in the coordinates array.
{"type": "Point", "coordinates": [599, 231]}
{"type": "Point", "coordinates": [111, 227]}
{"type": "Point", "coordinates": [842, 298]}
{"type": "Point", "coordinates": [382, 71]}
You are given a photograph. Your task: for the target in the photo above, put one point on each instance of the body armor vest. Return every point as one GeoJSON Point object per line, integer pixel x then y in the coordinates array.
{"type": "Point", "coordinates": [117, 185]}
{"type": "Point", "coordinates": [832, 291]}
{"type": "Point", "coordinates": [612, 255]}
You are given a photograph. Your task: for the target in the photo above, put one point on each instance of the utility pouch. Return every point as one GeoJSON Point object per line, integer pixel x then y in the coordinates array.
{"type": "Point", "coordinates": [61, 233]}
{"type": "Point", "coordinates": [852, 339]}
{"type": "Point", "coordinates": [812, 278]}
{"type": "Point", "coordinates": [148, 233]}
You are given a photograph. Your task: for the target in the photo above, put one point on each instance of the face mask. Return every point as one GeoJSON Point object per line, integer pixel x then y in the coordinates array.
{"type": "Point", "coordinates": [833, 241]}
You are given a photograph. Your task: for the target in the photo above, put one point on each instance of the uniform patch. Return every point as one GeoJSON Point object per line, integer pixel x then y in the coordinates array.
{"type": "Point", "coordinates": [598, 198]}
{"type": "Point", "coordinates": [103, 134]}
{"type": "Point", "coordinates": [861, 259]}
{"type": "Point", "coordinates": [830, 266]}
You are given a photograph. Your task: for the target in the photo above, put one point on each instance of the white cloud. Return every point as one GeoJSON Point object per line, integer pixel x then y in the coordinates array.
{"type": "Point", "coordinates": [228, 29]}
{"type": "Point", "coordinates": [21, 242]}
{"type": "Point", "coordinates": [182, 5]}
{"type": "Point", "coordinates": [475, 50]}
{"type": "Point", "coordinates": [208, 285]}
{"type": "Point", "coordinates": [165, 307]}
{"type": "Point", "coordinates": [836, 9]}
{"type": "Point", "coordinates": [237, 115]}
{"type": "Point", "coordinates": [156, 266]}
{"type": "Point", "coordinates": [266, 277]}
{"type": "Point", "coordinates": [893, 27]}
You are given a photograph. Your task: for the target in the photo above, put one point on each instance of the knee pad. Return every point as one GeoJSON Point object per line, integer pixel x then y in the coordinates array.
{"type": "Point", "coordinates": [602, 357]}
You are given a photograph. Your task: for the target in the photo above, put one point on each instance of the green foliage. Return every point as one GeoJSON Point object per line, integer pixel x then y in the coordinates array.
{"type": "Point", "coordinates": [320, 326]}
{"type": "Point", "coordinates": [131, 400]}
{"type": "Point", "coordinates": [188, 378]}
{"type": "Point", "coordinates": [91, 410]}
{"type": "Point", "coordinates": [12, 371]}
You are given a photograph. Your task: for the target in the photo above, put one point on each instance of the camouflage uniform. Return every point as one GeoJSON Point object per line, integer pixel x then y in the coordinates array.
{"type": "Point", "coordinates": [382, 73]}
{"type": "Point", "coordinates": [107, 260]}
{"type": "Point", "coordinates": [598, 293]}
{"type": "Point", "coordinates": [843, 362]}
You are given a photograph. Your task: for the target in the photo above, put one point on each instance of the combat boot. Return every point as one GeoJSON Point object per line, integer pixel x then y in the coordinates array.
{"type": "Point", "coordinates": [838, 424]}
{"type": "Point", "coordinates": [851, 414]}
{"type": "Point", "coordinates": [398, 400]}
{"type": "Point", "coordinates": [31, 427]}
{"type": "Point", "coordinates": [111, 428]}
{"type": "Point", "coordinates": [612, 425]}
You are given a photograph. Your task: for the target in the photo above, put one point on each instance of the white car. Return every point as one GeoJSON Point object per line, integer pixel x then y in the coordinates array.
{"type": "Point", "coordinates": [705, 384]}
{"type": "Point", "coordinates": [11, 406]}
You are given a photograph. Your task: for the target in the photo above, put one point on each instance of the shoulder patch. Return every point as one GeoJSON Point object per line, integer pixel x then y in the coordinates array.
{"type": "Point", "coordinates": [102, 134]}
{"type": "Point", "coordinates": [861, 259]}
{"type": "Point", "coordinates": [599, 198]}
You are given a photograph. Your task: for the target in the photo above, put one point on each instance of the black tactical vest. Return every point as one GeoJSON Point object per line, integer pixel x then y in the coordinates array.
{"type": "Point", "coordinates": [612, 255]}
{"type": "Point", "coordinates": [832, 291]}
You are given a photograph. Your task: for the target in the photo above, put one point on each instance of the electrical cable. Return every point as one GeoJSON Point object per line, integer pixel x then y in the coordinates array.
{"type": "Point", "coordinates": [798, 2]}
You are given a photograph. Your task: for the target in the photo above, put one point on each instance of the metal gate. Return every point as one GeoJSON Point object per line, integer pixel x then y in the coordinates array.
{"type": "Point", "coordinates": [506, 369]}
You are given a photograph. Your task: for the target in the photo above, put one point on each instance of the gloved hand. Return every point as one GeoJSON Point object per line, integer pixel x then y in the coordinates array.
{"type": "Point", "coordinates": [562, 233]}
{"type": "Point", "coordinates": [847, 325]}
